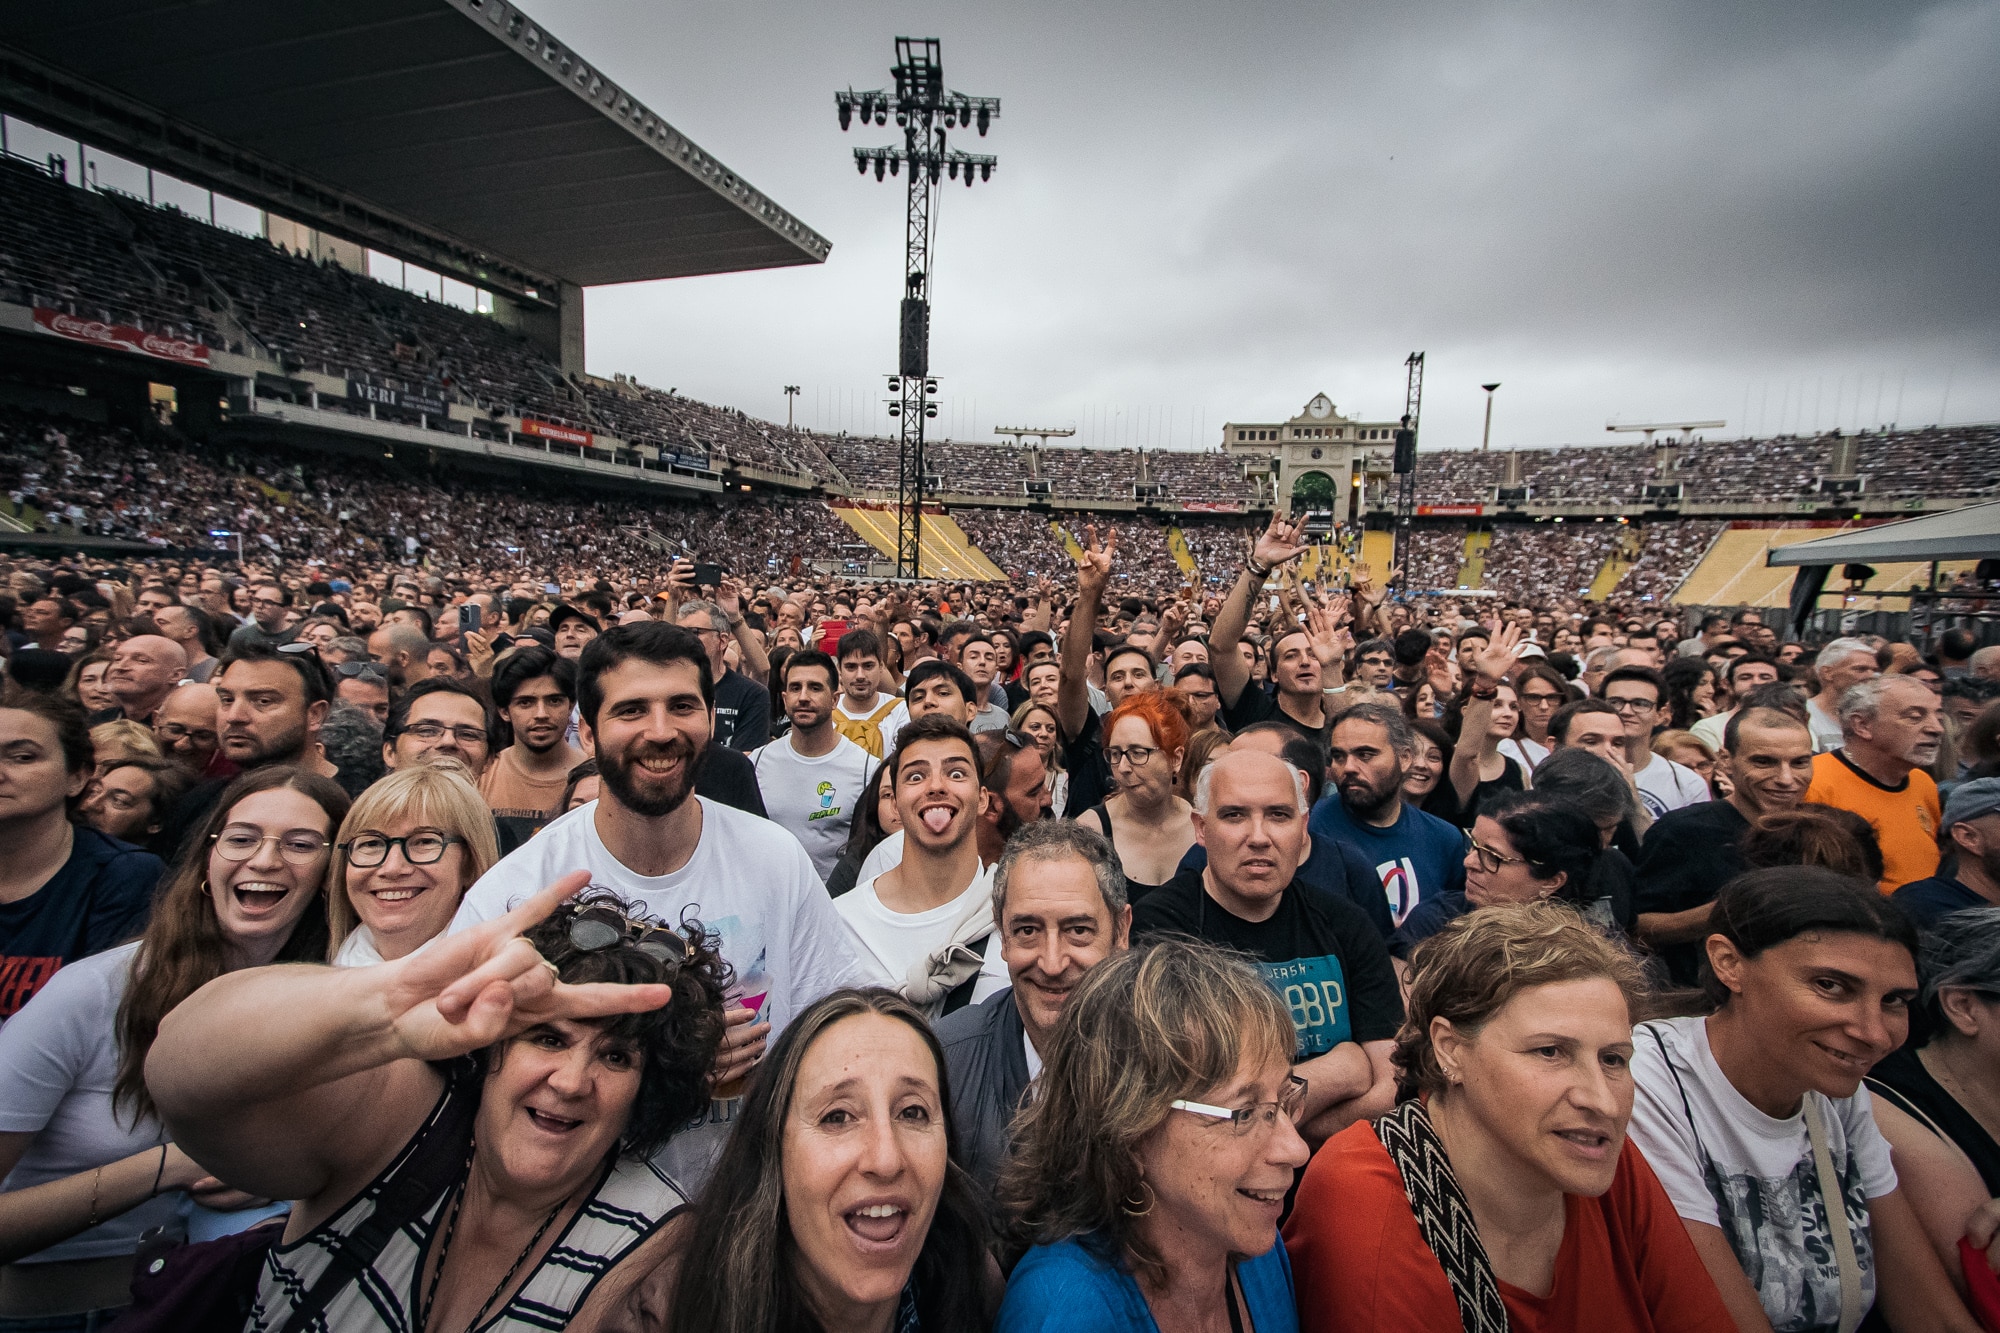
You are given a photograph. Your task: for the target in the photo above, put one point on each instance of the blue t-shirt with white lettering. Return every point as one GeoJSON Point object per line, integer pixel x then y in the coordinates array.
{"type": "Point", "coordinates": [1319, 953]}
{"type": "Point", "coordinates": [1419, 856]}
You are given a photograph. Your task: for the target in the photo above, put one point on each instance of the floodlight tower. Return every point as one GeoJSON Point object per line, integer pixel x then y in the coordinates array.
{"type": "Point", "coordinates": [1406, 458]}
{"type": "Point", "coordinates": [924, 110]}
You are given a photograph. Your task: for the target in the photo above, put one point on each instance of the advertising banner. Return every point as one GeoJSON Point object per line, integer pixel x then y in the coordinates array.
{"type": "Point", "coordinates": [121, 336]}
{"type": "Point", "coordinates": [549, 430]}
{"type": "Point", "coordinates": [400, 399]}
{"type": "Point", "coordinates": [1450, 511]}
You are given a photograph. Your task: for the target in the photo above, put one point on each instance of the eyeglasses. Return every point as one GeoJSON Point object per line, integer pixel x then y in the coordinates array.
{"type": "Point", "coordinates": [1489, 860]}
{"type": "Point", "coordinates": [1540, 698]}
{"type": "Point", "coordinates": [1136, 755]}
{"type": "Point", "coordinates": [174, 731]}
{"type": "Point", "coordinates": [372, 672]}
{"type": "Point", "coordinates": [1264, 1115]}
{"type": "Point", "coordinates": [1632, 705]}
{"type": "Point", "coordinates": [240, 842]}
{"type": "Point", "coordinates": [419, 849]}
{"type": "Point", "coordinates": [431, 731]}
{"type": "Point", "coordinates": [597, 928]}
{"type": "Point", "coordinates": [298, 648]}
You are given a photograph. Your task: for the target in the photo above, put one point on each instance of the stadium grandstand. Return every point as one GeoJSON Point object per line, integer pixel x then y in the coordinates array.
{"type": "Point", "coordinates": [194, 373]}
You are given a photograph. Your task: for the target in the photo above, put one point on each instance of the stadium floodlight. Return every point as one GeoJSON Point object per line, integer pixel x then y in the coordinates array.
{"type": "Point", "coordinates": [926, 111]}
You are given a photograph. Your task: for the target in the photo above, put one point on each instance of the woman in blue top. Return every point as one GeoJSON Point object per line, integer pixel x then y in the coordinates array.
{"type": "Point", "coordinates": [1151, 1167]}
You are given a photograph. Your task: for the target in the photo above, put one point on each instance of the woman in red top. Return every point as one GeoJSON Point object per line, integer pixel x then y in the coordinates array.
{"type": "Point", "coordinates": [1503, 1195]}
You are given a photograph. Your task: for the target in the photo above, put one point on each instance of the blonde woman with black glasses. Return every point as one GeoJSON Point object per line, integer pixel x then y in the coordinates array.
{"type": "Point", "coordinates": [407, 852]}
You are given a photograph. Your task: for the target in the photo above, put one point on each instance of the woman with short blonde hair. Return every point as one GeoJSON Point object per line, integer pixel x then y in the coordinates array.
{"type": "Point", "coordinates": [407, 852]}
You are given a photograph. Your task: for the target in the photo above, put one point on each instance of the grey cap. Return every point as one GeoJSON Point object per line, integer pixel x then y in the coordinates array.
{"type": "Point", "coordinates": [1970, 800]}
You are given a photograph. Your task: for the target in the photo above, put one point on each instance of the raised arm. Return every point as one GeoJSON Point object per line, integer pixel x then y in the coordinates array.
{"type": "Point", "coordinates": [756, 662]}
{"type": "Point", "coordinates": [1278, 545]}
{"type": "Point", "coordinates": [1093, 572]}
{"type": "Point", "coordinates": [310, 1047]}
{"type": "Point", "coordinates": [1489, 668]}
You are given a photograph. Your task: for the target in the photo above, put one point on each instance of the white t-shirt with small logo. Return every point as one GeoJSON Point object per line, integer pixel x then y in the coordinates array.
{"type": "Point", "coordinates": [814, 799]}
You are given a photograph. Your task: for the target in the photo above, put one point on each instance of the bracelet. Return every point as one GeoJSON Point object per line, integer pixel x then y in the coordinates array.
{"type": "Point", "coordinates": [96, 1178]}
{"type": "Point", "coordinates": [1259, 571]}
{"type": "Point", "coordinates": [1490, 692]}
{"type": "Point", "coordinates": [158, 1172]}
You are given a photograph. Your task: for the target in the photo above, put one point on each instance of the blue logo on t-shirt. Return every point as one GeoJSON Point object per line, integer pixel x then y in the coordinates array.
{"type": "Point", "coordinates": [1315, 990]}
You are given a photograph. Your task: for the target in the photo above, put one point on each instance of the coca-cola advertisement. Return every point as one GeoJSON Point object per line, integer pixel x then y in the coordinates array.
{"type": "Point", "coordinates": [123, 336]}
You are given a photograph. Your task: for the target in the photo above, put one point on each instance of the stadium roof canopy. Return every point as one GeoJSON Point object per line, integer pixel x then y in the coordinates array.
{"type": "Point", "coordinates": [455, 132]}
{"type": "Point", "coordinates": [1971, 533]}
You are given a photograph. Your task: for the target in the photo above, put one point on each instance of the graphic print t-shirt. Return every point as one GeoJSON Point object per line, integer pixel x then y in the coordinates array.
{"type": "Point", "coordinates": [1726, 1163]}
{"type": "Point", "coordinates": [814, 799]}
{"type": "Point", "coordinates": [1319, 953]}
{"type": "Point", "coordinates": [1417, 857]}
{"type": "Point", "coordinates": [100, 897]}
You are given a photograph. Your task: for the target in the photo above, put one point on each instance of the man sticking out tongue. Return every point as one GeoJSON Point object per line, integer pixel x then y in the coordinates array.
{"type": "Point", "coordinates": [925, 921]}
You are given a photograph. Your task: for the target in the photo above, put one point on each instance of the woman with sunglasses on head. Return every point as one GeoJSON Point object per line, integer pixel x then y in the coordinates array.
{"type": "Point", "coordinates": [1151, 1168]}
{"type": "Point", "coordinates": [407, 852]}
{"type": "Point", "coordinates": [1502, 1192]}
{"type": "Point", "coordinates": [1150, 824]}
{"type": "Point", "coordinates": [90, 1163]}
{"type": "Point", "coordinates": [837, 1205]}
{"type": "Point", "coordinates": [465, 1131]}
{"type": "Point", "coordinates": [1754, 1117]}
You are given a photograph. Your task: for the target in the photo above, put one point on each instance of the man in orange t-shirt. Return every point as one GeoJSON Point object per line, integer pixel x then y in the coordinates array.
{"type": "Point", "coordinates": [1890, 727]}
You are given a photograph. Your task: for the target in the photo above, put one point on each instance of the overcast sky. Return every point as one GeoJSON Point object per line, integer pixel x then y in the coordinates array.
{"type": "Point", "coordinates": [1778, 215]}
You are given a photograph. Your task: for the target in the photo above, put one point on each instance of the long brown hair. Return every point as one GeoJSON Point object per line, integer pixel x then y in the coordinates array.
{"type": "Point", "coordinates": [183, 948]}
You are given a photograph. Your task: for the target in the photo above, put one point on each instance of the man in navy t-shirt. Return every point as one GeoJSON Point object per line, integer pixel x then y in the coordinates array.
{"type": "Point", "coordinates": [1971, 827]}
{"type": "Point", "coordinates": [1417, 856]}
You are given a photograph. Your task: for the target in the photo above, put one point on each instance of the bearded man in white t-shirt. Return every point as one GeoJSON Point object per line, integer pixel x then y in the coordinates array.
{"type": "Point", "coordinates": [925, 921]}
{"type": "Point", "coordinates": [647, 706]}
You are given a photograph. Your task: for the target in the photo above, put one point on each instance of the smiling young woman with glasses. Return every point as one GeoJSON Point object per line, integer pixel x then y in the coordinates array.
{"type": "Point", "coordinates": [407, 852]}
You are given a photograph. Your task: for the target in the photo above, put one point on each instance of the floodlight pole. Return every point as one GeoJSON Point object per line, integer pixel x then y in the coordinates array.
{"type": "Point", "coordinates": [924, 110]}
{"type": "Point", "coordinates": [1406, 461]}
{"type": "Point", "coordinates": [1486, 436]}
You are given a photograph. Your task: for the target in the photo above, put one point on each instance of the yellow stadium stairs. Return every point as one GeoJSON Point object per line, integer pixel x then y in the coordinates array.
{"type": "Point", "coordinates": [944, 551]}
{"type": "Point", "coordinates": [1614, 567]}
{"type": "Point", "coordinates": [1177, 547]}
{"type": "Point", "coordinates": [1070, 544]}
{"type": "Point", "coordinates": [1472, 565]}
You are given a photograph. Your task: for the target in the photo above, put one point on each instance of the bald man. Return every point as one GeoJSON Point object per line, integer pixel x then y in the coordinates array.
{"type": "Point", "coordinates": [1319, 952]}
{"type": "Point", "coordinates": [144, 670]}
{"type": "Point", "coordinates": [405, 651]}
{"type": "Point", "coordinates": [186, 728]}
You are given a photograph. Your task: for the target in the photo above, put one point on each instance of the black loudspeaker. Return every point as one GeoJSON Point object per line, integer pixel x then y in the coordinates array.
{"type": "Point", "coordinates": [914, 354]}
{"type": "Point", "coordinates": [1406, 452]}
{"type": "Point", "coordinates": [1857, 573]}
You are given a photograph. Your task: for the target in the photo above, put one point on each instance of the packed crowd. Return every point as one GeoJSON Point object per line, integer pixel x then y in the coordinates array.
{"type": "Point", "coordinates": [798, 952]}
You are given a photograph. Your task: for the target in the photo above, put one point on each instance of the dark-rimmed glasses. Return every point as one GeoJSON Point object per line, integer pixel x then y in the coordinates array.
{"type": "Point", "coordinates": [1489, 860]}
{"type": "Point", "coordinates": [373, 672]}
{"type": "Point", "coordinates": [419, 849]}
{"type": "Point", "coordinates": [1291, 1101]}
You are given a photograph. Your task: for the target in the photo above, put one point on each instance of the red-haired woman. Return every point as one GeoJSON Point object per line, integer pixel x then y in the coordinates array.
{"type": "Point", "coordinates": [1145, 738]}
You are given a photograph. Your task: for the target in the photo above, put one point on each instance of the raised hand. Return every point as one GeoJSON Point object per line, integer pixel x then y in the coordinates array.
{"type": "Point", "coordinates": [485, 984]}
{"type": "Point", "coordinates": [1438, 670]}
{"type": "Point", "coordinates": [1497, 658]}
{"type": "Point", "coordinates": [1093, 569]}
{"type": "Point", "coordinates": [729, 596]}
{"type": "Point", "coordinates": [1326, 628]}
{"type": "Point", "coordinates": [1279, 544]}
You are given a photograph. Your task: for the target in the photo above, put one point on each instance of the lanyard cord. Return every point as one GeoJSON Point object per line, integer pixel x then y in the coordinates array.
{"type": "Point", "coordinates": [451, 1230]}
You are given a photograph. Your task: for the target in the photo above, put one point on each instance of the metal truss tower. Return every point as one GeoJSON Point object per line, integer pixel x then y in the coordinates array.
{"type": "Point", "coordinates": [1406, 458]}
{"type": "Point", "coordinates": [925, 110]}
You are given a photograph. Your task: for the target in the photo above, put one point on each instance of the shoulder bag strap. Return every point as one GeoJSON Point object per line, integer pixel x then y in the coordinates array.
{"type": "Point", "coordinates": [1834, 1199]}
{"type": "Point", "coordinates": [1444, 1218]}
{"type": "Point", "coordinates": [425, 1172]}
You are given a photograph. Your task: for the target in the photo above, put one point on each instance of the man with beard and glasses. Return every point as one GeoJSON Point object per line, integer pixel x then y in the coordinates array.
{"type": "Point", "coordinates": [647, 703]}
{"type": "Point", "coordinates": [534, 691]}
{"type": "Point", "coordinates": [923, 923]}
{"type": "Point", "coordinates": [1417, 856]}
{"type": "Point", "coordinates": [270, 704]}
{"type": "Point", "coordinates": [813, 778]}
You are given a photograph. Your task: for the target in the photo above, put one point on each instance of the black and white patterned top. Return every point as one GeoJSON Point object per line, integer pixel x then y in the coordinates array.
{"type": "Point", "coordinates": [632, 1200]}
